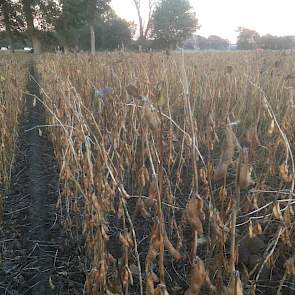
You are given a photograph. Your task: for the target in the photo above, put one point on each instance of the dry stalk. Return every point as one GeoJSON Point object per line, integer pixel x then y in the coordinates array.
{"type": "Point", "coordinates": [273, 116]}
{"type": "Point", "coordinates": [185, 85]}
{"type": "Point", "coordinates": [272, 248]}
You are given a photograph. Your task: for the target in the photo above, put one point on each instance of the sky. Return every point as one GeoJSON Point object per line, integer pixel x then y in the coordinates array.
{"type": "Point", "coordinates": [223, 17]}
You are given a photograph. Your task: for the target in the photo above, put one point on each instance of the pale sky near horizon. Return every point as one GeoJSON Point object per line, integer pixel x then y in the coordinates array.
{"type": "Point", "coordinates": [223, 17]}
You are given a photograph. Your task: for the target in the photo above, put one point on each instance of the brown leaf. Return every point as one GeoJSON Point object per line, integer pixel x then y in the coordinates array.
{"type": "Point", "coordinates": [290, 266]}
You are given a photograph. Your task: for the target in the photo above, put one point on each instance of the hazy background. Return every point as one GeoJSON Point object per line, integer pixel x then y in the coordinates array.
{"type": "Point", "coordinates": [222, 18]}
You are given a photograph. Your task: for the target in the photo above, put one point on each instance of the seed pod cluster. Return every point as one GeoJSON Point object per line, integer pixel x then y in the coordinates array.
{"type": "Point", "coordinates": [227, 154]}
{"type": "Point", "coordinates": [151, 117]}
{"type": "Point", "coordinates": [198, 277]}
{"type": "Point", "coordinates": [194, 214]}
{"type": "Point", "coordinates": [244, 172]}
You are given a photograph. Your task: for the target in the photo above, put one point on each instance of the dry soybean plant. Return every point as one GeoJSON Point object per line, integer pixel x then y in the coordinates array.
{"type": "Point", "coordinates": [12, 82]}
{"type": "Point", "coordinates": [177, 172]}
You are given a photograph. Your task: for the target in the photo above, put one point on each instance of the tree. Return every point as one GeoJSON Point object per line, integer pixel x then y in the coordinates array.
{"type": "Point", "coordinates": [93, 9]}
{"type": "Point", "coordinates": [250, 39]}
{"type": "Point", "coordinates": [276, 43]}
{"type": "Point", "coordinates": [247, 39]}
{"type": "Point", "coordinates": [5, 13]}
{"type": "Point", "coordinates": [31, 17]}
{"type": "Point", "coordinates": [173, 22]}
{"type": "Point", "coordinates": [11, 20]}
{"type": "Point", "coordinates": [111, 32]}
{"type": "Point", "coordinates": [143, 32]}
{"type": "Point", "coordinates": [117, 32]}
{"type": "Point", "coordinates": [75, 15]}
{"type": "Point", "coordinates": [71, 20]}
{"type": "Point", "coordinates": [39, 16]}
{"type": "Point", "coordinates": [203, 43]}
{"type": "Point", "coordinates": [190, 44]}
{"type": "Point", "coordinates": [217, 43]}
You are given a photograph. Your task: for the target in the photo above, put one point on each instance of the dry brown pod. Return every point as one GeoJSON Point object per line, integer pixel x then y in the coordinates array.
{"type": "Point", "coordinates": [149, 287]}
{"type": "Point", "coordinates": [289, 266]}
{"type": "Point", "coordinates": [251, 137]}
{"type": "Point", "coordinates": [276, 210]}
{"type": "Point", "coordinates": [289, 216]}
{"type": "Point", "coordinates": [153, 189]}
{"type": "Point", "coordinates": [171, 249]}
{"type": "Point", "coordinates": [244, 173]}
{"type": "Point", "coordinates": [235, 285]}
{"type": "Point", "coordinates": [154, 247]}
{"type": "Point", "coordinates": [151, 117]}
{"type": "Point", "coordinates": [146, 174]}
{"type": "Point", "coordinates": [284, 173]}
{"type": "Point", "coordinates": [141, 209]}
{"type": "Point", "coordinates": [229, 146]}
{"type": "Point", "coordinates": [126, 240]}
{"type": "Point", "coordinates": [198, 277]}
{"type": "Point", "coordinates": [220, 171]}
{"type": "Point", "coordinates": [126, 277]}
{"type": "Point", "coordinates": [286, 238]}
{"type": "Point", "coordinates": [151, 201]}
{"type": "Point", "coordinates": [245, 179]}
{"type": "Point", "coordinates": [254, 230]}
{"type": "Point", "coordinates": [141, 179]}
{"type": "Point", "coordinates": [271, 128]}
{"type": "Point", "coordinates": [161, 290]}
{"type": "Point", "coordinates": [227, 154]}
{"type": "Point", "coordinates": [193, 214]}
{"type": "Point", "coordinates": [219, 230]}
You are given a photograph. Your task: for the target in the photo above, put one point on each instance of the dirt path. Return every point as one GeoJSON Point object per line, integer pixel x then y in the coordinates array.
{"type": "Point", "coordinates": [30, 239]}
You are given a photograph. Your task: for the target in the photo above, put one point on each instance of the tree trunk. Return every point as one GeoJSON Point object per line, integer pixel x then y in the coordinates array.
{"type": "Point", "coordinates": [11, 43]}
{"type": "Point", "coordinates": [141, 33]}
{"type": "Point", "coordinates": [32, 32]}
{"type": "Point", "coordinates": [36, 44]}
{"type": "Point", "coordinates": [92, 39]}
{"type": "Point", "coordinates": [5, 10]}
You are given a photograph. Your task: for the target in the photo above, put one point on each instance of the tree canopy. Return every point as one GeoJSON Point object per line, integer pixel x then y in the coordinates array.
{"type": "Point", "coordinates": [173, 22]}
{"type": "Point", "coordinates": [111, 32]}
{"type": "Point", "coordinates": [63, 22]}
{"type": "Point", "coordinates": [250, 39]}
{"type": "Point", "coordinates": [247, 39]}
{"type": "Point", "coordinates": [29, 16]}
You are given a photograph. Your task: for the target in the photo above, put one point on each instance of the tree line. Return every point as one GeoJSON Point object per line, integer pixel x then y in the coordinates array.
{"type": "Point", "coordinates": [202, 43]}
{"type": "Point", "coordinates": [93, 25]}
{"type": "Point", "coordinates": [250, 39]}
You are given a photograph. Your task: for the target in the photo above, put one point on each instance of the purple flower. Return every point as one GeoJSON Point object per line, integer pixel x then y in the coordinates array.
{"type": "Point", "coordinates": [102, 92]}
